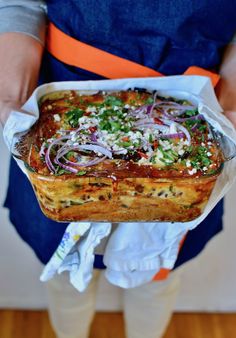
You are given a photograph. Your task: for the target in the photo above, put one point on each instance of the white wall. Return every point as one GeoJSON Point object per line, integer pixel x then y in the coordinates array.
{"type": "Point", "coordinates": [208, 282]}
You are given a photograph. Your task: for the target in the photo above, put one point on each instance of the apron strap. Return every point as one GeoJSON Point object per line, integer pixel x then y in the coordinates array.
{"type": "Point", "coordinates": [79, 54]}
{"type": "Point", "coordinates": [75, 53]}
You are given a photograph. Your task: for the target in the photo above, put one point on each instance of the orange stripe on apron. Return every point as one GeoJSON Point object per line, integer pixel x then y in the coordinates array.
{"type": "Point", "coordinates": [79, 54]}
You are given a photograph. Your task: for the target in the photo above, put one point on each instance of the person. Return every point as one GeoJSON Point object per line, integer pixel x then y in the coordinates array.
{"type": "Point", "coordinates": [165, 36]}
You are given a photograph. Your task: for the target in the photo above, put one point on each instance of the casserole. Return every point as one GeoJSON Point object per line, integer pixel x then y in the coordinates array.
{"type": "Point", "coordinates": [121, 156]}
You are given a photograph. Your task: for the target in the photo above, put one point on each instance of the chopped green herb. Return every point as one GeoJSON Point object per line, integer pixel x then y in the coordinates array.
{"type": "Point", "coordinates": [149, 100]}
{"type": "Point", "coordinates": [202, 128]}
{"type": "Point", "coordinates": [61, 171]}
{"type": "Point", "coordinates": [81, 173]}
{"type": "Point", "coordinates": [72, 117]}
{"type": "Point", "coordinates": [113, 101]}
{"type": "Point", "coordinates": [191, 113]}
{"type": "Point", "coordinates": [150, 138]}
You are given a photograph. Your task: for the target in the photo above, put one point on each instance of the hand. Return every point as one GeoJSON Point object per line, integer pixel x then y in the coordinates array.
{"type": "Point", "coordinates": [20, 59]}
{"type": "Point", "coordinates": [231, 115]}
{"type": "Point", "coordinates": [226, 89]}
{"type": "Point", "coordinates": [6, 107]}
{"type": "Point", "coordinates": [227, 98]}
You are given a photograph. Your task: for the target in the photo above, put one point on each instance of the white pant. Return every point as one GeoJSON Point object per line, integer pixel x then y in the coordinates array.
{"type": "Point", "coordinates": [147, 308]}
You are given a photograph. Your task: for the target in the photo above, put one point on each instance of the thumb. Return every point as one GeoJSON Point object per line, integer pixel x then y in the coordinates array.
{"type": "Point", "coordinates": [231, 115]}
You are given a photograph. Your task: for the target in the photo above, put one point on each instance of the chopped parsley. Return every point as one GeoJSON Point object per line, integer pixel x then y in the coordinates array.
{"type": "Point", "coordinates": [72, 117]}
{"type": "Point", "coordinates": [113, 101]}
{"type": "Point", "coordinates": [81, 173]}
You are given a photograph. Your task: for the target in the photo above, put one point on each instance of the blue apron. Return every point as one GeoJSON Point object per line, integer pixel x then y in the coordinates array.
{"type": "Point", "coordinates": [168, 36]}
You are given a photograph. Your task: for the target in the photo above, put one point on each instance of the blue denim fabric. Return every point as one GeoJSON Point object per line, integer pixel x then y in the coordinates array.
{"type": "Point", "coordinates": [168, 36]}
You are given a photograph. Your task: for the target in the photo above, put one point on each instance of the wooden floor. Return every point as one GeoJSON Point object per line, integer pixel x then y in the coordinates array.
{"type": "Point", "coordinates": [35, 324]}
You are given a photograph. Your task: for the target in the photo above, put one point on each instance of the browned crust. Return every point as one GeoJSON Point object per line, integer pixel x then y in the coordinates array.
{"type": "Point", "coordinates": [131, 199]}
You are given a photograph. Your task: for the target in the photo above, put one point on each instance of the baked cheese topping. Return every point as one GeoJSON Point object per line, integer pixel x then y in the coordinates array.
{"type": "Point", "coordinates": [81, 133]}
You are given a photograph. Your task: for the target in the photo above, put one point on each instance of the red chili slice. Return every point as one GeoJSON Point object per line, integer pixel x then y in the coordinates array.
{"type": "Point", "coordinates": [155, 144]}
{"type": "Point", "coordinates": [142, 154]}
{"type": "Point", "coordinates": [92, 129]}
{"type": "Point", "coordinates": [157, 121]}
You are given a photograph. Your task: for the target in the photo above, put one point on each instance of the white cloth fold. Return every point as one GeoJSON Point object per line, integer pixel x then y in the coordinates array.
{"type": "Point", "coordinates": [137, 251]}
{"type": "Point", "coordinates": [75, 253]}
{"type": "Point", "coordinates": [134, 254]}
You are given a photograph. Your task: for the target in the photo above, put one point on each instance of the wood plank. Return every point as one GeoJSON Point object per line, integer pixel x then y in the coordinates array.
{"type": "Point", "coordinates": [108, 325]}
{"type": "Point", "coordinates": [36, 324]}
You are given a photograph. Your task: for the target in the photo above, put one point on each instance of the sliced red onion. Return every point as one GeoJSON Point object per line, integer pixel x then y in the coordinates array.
{"type": "Point", "coordinates": [153, 106]}
{"type": "Point", "coordinates": [49, 162]}
{"type": "Point", "coordinates": [139, 109]}
{"type": "Point", "coordinates": [194, 127]}
{"type": "Point", "coordinates": [144, 121]}
{"type": "Point", "coordinates": [120, 152]}
{"type": "Point", "coordinates": [179, 127]}
{"type": "Point", "coordinates": [51, 145]}
{"type": "Point", "coordinates": [65, 131]}
{"type": "Point", "coordinates": [185, 131]}
{"type": "Point", "coordinates": [175, 135]}
{"type": "Point", "coordinates": [64, 166]}
{"type": "Point", "coordinates": [42, 149]}
{"type": "Point", "coordinates": [160, 127]}
{"type": "Point", "coordinates": [183, 119]}
{"type": "Point", "coordinates": [177, 106]}
{"type": "Point", "coordinates": [93, 137]}
{"type": "Point", "coordinates": [96, 149]}
{"type": "Point", "coordinates": [149, 109]}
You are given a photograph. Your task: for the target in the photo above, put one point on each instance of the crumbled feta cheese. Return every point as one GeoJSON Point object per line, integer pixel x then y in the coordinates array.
{"type": "Point", "coordinates": [102, 110]}
{"type": "Point", "coordinates": [209, 154]}
{"type": "Point", "coordinates": [188, 164]}
{"type": "Point", "coordinates": [91, 109]}
{"type": "Point", "coordinates": [181, 152]}
{"type": "Point", "coordinates": [57, 117]}
{"type": "Point", "coordinates": [144, 161]}
{"type": "Point", "coordinates": [165, 144]}
{"type": "Point", "coordinates": [192, 172]}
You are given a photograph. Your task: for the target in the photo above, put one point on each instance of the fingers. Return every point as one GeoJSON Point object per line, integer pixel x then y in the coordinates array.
{"type": "Point", "coordinates": [231, 115]}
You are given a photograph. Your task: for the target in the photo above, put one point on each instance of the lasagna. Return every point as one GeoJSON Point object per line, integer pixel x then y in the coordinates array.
{"type": "Point", "coordinates": [120, 156]}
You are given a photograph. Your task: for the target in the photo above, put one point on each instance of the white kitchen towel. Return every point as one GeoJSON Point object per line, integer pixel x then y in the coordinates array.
{"type": "Point", "coordinates": [137, 251]}
{"type": "Point", "coordinates": [134, 254]}
{"type": "Point", "coordinates": [75, 253]}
